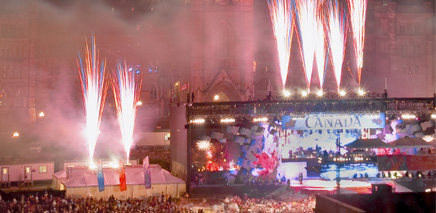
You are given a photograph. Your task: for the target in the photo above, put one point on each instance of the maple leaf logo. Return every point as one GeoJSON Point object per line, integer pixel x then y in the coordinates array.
{"type": "Point", "coordinates": [377, 121]}
{"type": "Point", "coordinates": [290, 123]}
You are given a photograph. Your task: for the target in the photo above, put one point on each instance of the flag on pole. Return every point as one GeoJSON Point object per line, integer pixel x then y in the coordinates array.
{"type": "Point", "coordinates": [185, 86]}
{"type": "Point", "coordinates": [123, 184]}
{"type": "Point", "coordinates": [100, 177]}
{"type": "Point", "coordinates": [147, 177]}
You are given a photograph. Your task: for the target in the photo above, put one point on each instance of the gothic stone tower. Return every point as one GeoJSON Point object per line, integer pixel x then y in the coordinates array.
{"type": "Point", "coordinates": [222, 50]}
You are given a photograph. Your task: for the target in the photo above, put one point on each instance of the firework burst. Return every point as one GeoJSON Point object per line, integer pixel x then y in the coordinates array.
{"type": "Point", "coordinates": [336, 37]}
{"type": "Point", "coordinates": [126, 87]}
{"type": "Point", "coordinates": [203, 145]}
{"type": "Point", "coordinates": [320, 45]}
{"type": "Point", "coordinates": [283, 27]}
{"type": "Point", "coordinates": [94, 89]}
{"type": "Point", "coordinates": [306, 13]}
{"type": "Point", "coordinates": [357, 11]}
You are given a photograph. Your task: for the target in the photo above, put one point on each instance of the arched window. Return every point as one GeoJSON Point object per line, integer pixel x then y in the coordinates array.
{"type": "Point", "coordinates": [153, 93]}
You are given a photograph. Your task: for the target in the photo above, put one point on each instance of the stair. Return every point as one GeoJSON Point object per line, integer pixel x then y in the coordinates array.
{"type": "Point", "coordinates": [398, 187]}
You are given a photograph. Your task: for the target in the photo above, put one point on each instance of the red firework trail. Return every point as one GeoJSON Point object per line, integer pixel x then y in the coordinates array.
{"type": "Point", "coordinates": [94, 90]}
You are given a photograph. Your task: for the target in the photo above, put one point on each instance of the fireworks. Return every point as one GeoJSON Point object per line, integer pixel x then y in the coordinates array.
{"type": "Point", "coordinates": [357, 10]}
{"type": "Point", "coordinates": [283, 27]}
{"type": "Point", "coordinates": [320, 47]}
{"type": "Point", "coordinates": [126, 87]}
{"type": "Point", "coordinates": [94, 88]}
{"type": "Point", "coordinates": [307, 27]}
{"type": "Point", "coordinates": [336, 37]}
{"type": "Point", "coordinates": [203, 145]}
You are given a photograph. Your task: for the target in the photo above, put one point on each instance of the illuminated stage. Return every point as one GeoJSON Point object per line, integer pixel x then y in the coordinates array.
{"type": "Point", "coordinates": [312, 186]}
{"type": "Point", "coordinates": [268, 142]}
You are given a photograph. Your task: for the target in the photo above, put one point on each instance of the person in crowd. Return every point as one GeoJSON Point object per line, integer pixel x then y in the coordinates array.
{"type": "Point", "coordinates": [60, 203]}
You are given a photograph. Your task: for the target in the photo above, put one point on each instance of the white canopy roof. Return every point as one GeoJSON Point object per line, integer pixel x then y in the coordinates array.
{"type": "Point", "coordinates": [134, 176]}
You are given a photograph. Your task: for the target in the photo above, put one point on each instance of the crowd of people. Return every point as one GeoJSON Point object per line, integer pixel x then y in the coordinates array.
{"type": "Point", "coordinates": [237, 204]}
{"type": "Point", "coordinates": [53, 204]}
{"type": "Point", "coordinates": [46, 202]}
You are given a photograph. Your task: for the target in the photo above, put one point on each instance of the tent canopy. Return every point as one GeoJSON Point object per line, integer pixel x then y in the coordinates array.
{"type": "Point", "coordinates": [410, 143]}
{"type": "Point", "coordinates": [134, 176]}
{"type": "Point", "coordinates": [368, 143]}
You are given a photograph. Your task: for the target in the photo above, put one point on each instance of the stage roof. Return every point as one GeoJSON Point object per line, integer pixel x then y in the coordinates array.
{"type": "Point", "coordinates": [368, 143]}
{"type": "Point", "coordinates": [410, 143]}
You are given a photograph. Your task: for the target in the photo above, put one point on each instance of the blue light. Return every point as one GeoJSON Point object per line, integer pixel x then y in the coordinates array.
{"type": "Point", "coordinates": [348, 171]}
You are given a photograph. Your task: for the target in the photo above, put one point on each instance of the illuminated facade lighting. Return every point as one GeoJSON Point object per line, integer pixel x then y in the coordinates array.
{"type": "Point", "coordinates": [227, 120]}
{"type": "Point", "coordinates": [139, 103]}
{"type": "Point", "coordinates": [262, 119]}
{"type": "Point", "coordinates": [197, 121]}
{"type": "Point", "coordinates": [408, 116]}
{"type": "Point", "coordinates": [342, 93]}
{"type": "Point", "coordinates": [433, 116]}
{"type": "Point", "coordinates": [216, 97]}
{"type": "Point", "coordinates": [304, 93]}
{"type": "Point", "coordinates": [41, 114]}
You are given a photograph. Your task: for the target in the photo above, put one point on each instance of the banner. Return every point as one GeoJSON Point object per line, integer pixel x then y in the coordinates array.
{"type": "Point", "coordinates": [317, 121]}
{"type": "Point", "coordinates": [100, 177]}
{"type": "Point", "coordinates": [123, 185]}
{"type": "Point", "coordinates": [406, 162]}
{"type": "Point", "coordinates": [147, 176]}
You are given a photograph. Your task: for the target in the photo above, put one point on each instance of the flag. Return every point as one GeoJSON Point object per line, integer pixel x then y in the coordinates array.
{"type": "Point", "coordinates": [184, 86]}
{"type": "Point", "coordinates": [147, 177]}
{"type": "Point", "coordinates": [100, 177]}
{"type": "Point", "coordinates": [123, 185]}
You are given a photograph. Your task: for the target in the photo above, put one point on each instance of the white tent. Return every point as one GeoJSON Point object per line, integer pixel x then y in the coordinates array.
{"type": "Point", "coordinates": [83, 183]}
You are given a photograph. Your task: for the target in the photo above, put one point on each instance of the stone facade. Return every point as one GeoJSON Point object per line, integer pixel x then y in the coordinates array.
{"type": "Point", "coordinates": [215, 53]}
